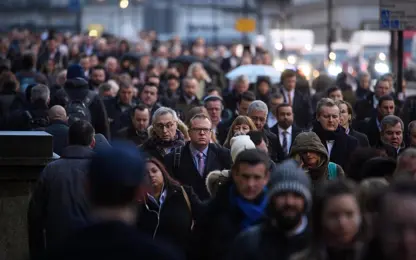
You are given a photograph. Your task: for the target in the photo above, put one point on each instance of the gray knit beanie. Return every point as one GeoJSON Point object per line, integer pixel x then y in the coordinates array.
{"type": "Point", "coordinates": [289, 177]}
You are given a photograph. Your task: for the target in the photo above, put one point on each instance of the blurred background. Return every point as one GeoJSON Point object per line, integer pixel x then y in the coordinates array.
{"type": "Point", "coordinates": [311, 35]}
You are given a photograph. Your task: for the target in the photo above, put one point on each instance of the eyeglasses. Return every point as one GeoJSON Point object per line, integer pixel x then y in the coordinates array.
{"type": "Point", "coordinates": [201, 130]}
{"type": "Point", "coordinates": [161, 126]}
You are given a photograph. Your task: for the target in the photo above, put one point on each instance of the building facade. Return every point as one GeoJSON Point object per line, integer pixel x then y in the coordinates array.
{"type": "Point", "coordinates": [348, 16]}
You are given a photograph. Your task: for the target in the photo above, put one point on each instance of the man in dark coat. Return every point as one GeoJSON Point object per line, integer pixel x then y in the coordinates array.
{"type": "Point", "coordinates": [258, 111]}
{"type": "Point", "coordinates": [32, 117]}
{"type": "Point", "coordinates": [136, 131]}
{"type": "Point", "coordinates": [301, 104]}
{"type": "Point", "coordinates": [371, 126]}
{"type": "Point", "coordinates": [232, 61]}
{"type": "Point", "coordinates": [58, 206]}
{"type": "Point", "coordinates": [118, 108]}
{"type": "Point", "coordinates": [285, 130]}
{"type": "Point", "coordinates": [187, 166]}
{"type": "Point", "coordinates": [367, 107]}
{"type": "Point", "coordinates": [58, 128]}
{"type": "Point", "coordinates": [239, 204]}
{"type": "Point", "coordinates": [115, 177]}
{"type": "Point", "coordinates": [77, 89]}
{"type": "Point", "coordinates": [339, 145]}
{"type": "Point", "coordinates": [287, 230]}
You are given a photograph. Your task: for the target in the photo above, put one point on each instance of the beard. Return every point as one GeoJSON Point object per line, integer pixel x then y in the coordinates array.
{"type": "Point", "coordinates": [284, 222]}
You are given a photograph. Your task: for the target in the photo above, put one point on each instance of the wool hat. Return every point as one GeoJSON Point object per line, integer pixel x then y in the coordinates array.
{"type": "Point", "coordinates": [289, 177]}
{"type": "Point", "coordinates": [75, 71]}
{"type": "Point", "coordinates": [239, 144]}
{"type": "Point", "coordinates": [121, 163]}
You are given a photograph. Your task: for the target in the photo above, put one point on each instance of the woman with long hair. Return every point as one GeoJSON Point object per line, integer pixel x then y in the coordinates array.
{"type": "Point", "coordinates": [337, 223]}
{"type": "Point", "coordinates": [169, 209]}
{"type": "Point", "coordinates": [240, 126]}
{"type": "Point", "coordinates": [196, 70]}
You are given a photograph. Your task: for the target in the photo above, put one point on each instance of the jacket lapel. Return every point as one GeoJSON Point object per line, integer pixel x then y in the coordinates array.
{"type": "Point", "coordinates": [210, 160]}
{"type": "Point", "coordinates": [190, 157]}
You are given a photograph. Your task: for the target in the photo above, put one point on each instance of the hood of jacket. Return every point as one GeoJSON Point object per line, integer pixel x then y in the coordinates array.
{"type": "Point", "coordinates": [309, 141]}
{"type": "Point", "coordinates": [215, 179]}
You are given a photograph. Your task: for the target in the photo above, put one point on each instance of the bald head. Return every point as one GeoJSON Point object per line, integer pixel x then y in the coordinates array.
{"type": "Point", "coordinates": [57, 113]}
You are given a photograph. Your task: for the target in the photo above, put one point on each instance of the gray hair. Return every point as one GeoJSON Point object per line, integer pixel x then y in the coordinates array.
{"type": "Point", "coordinates": [324, 102]}
{"type": "Point", "coordinates": [363, 74]}
{"type": "Point", "coordinates": [391, 120]}
{"type": "Point", "coordinates": [163, 111]}
{"type": "Point", "coordinates": [40, 92]}
{"type": "Point", "coordinates": [257, 105]}
{"type": "Point", "coordinates": [411, 126]}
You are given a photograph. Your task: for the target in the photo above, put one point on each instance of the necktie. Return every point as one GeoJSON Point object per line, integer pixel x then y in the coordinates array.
{"type": "Point", "coordinates": [201, 163]}
{"type": "Point", "coordinates": [284, 143]}
{"type": "Point", "coordinates": [289, 99]}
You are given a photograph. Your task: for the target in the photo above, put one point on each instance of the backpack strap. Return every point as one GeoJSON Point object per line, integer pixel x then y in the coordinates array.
{"type": "Point", "coordinates": [188, 203]}
{"type": "Point", "coordinates": [332, 171]}
{"type": "Point", "coordinates": [177, 157]}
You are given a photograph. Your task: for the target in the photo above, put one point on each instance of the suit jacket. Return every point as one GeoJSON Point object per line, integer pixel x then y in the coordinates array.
{"type": "Point", "coordinates": [280, 154]}
{"type": "Point", "coordinates": [344, 146]}
{"type": "Point", "coordinates": [369, 127]}
{"type": "Point", "coordinates": [365, 108]}
{"type": "Point", "coordinates": [302, 108]}
{"type": "Point", "coordinates": [226, 64]}
{"type": "Point", "coordinates": [218, 158]}
{"type": "Point", "coordinates": [362, 138]}
{"type": "Point", "coordinates": [272, 143]}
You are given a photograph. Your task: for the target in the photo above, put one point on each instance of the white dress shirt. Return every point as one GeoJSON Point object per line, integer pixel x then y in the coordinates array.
{"type": "Point", "coordinates": [375, 101]}
{"type": "Point", "coordinates": [271, 120]}
{"type": "Point", "coordinates": [288, 137]}
{"type": "Point", "coordinates": [287, 93]}
{"type": "Point", "coordinates": [330, 145]}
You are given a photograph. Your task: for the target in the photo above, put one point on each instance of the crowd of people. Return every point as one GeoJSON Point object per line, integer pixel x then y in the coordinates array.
{"type": "Point", "coordinates": [159, 162]}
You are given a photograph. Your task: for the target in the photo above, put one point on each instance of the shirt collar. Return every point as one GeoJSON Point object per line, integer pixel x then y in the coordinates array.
{"type": "Point", "coordinates": [194, 151]}
{"type": "Point", "coordinates": [162, 198]}
{"type": "Point", "coordinates": [281, 130]}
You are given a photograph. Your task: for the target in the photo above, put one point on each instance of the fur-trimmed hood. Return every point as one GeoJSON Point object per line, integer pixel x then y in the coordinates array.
{"type": "Point", "coordinates": [215, 179]}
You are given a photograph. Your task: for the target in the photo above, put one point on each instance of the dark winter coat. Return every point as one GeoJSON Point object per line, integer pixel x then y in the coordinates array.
{"type": "Point", "coordinates": [172, 221]}
{"type": "Point", "coordinates": [58, 206]}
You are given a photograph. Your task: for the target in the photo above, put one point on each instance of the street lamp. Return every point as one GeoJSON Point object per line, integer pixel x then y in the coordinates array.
{"type": "Point", "coordinates": [124, 4]}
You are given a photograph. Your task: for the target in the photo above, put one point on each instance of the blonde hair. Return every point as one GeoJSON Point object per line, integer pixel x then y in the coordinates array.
{"type": "Point", "coordinates": [195, 65]}
{"type": "Point", "coordinates": [240, 120]}
{"type": "Point", "coordinates": [324, 102]}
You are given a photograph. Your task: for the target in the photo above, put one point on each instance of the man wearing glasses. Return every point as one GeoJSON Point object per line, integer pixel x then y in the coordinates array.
{"type": "Point", "coordinates": [191, 164]}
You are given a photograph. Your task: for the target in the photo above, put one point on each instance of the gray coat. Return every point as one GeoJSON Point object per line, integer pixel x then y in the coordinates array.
{"type": "Point", "coordinates": [58, 205]}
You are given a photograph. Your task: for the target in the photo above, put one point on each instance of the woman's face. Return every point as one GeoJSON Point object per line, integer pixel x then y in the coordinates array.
{"type": "Point", "coordinates": [155, 175]}
{"type": "Point", "coordinates": [197, 72]}
{"type": "Point", "coordinates": [341, 219]}
{"type": "Point", "coordinates": [311, 159]}
{"type": "Point", "coordinates": [242, 129]}
{"type": "Point", "coordinates": [344, 117]}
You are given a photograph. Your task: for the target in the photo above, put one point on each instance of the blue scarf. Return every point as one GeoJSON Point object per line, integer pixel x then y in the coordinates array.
{"type": "Point", "coordinates": [252, 212]}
